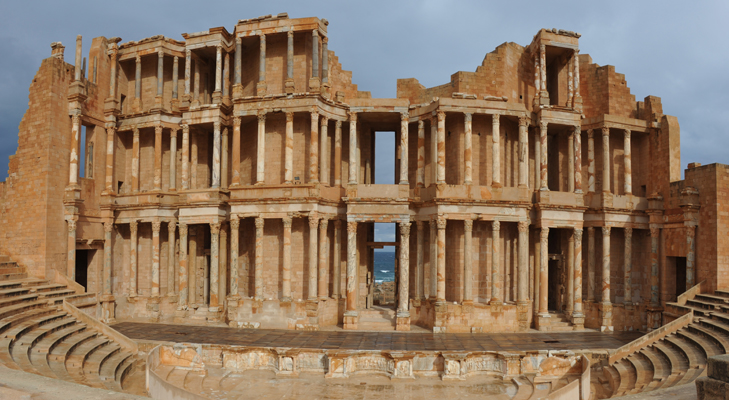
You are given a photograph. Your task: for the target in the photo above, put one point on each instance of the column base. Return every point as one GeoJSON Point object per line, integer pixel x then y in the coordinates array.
{"type": "Point", "coordinates": [577, 103]}
{"type": "Point", "coordinates": [543, 322]}
{"type": "Point", "coordinates": [237, 91]}
{"type": "Point", "coordinates": [403, 321]}
{"type": "Point", "coordinates": [324, 90]}
{"type": "Point", "coordinates": [522, 315]}
{"type": "Point", "coordinates": [655, 317]}
{"type": "Point", "coordinates": [289, 86]}
{"type": "Point", "coordinates": [153, 308]}
{"type": "Point", "coordinates": [606, 317]}
{"type": "Point", "coordinates": [261, 89]}
{"type": "Point", "coordinates": [136, 105]}
{"type": "Point", "coordinates": [217, 97]}
{"type": "Point", "coordinates": [351, 319]}
{"type": "Point", "coordinates": [314, 85]}
{"type": "Point", "coordinates": [578, 320]}
{"type": "Point", "coordinates": [157, 103]}
{"type": "Point", "coordinates": [108, 305]}
{"type": "Point", "coordinates": [175, 105]}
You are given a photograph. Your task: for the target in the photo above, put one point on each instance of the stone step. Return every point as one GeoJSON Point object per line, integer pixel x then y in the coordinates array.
{"type": "Point", "coordinates": [721, 293]}
{"type": "Point", "coordinates": [707, 305]}
{"type": "Point", "coordinates": [695, 358]}
{"type": "Point", "coordinates": [660, 365]}
{"type": "Point", "coordinates": [708, 346]}
{"type": "Point", "coordinates": [21, 283]}
{"type": "Point", "coordinates": [193, 381]}
{"type": "Point", "coordinates": [11, 268]}
{"type": "Point", "coordinates": [21, 347]}
{"type": "Point", "coordinates": [678, 363]}
{"type": "Point", "coordinates": [14, 291]}
{"type": "Point", "coordinates": [613, 377]}
{"type": "Point", "coordinates": [712, 298]}
{"type": "Point", "coordinates": [13, 320]}
{"type": "Point", "coordinates": [39, 353]}
{"type": "Point", "coordinates": [77, 357]}
{"type": "Point", "coordinates": [109, 368]}
{"type": "Point", "coordinates": [177, 377]}
{"type": "Point", "coordinates": [644, 372]}
{"type": "Point", "coordinates": [93, 363]}
{"type": "Point", "coordinates": [4, 258]}
{"type": "Point", "coordinates": [541, 389]}
{"type": "Point", "coordinates": [13, 276]}
{"type": "Point", "coordinates": [126, 368]}
{"type": "Point", "coordinates": [524, 388]}
{"type": "Point", "coordinates": [627, 376]}
{"type": "Point", "coordinates": [716, 336]}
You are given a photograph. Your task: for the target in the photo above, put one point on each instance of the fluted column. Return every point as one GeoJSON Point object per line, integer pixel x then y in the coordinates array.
{"type": "Point", "coordinates": [173, 158]}
{"type": "Point", "coordinates": [338, 153]}
{"type": "Point", "coordinates": [571, 163]}
{"type": "Point", "coordinates": [183, 288]}
{"type": "Point", "coordinates": [216, 155]}
{"type": "Point", "coordinates": [606, 160]}
{"type": "Point", "coordinates": [135, 160]}
{"type": "Point", "coordinates": [655, 235]}
{"type": "Point", "coordinates": [522, 294]}
{"type": "Point", "coordinates": [323, 264]}
{"type": "Point", "coordinates": [109, 181]}
{"type": "Point", "coordinates": [523, 151]}
{"type": "Point", "coordinates": [577, 98]}
{"type": "Point", "coordinates": [71, 248]}
{"type": "Point", "coordinates": [185, 178]}
{"type": "Point", "coordinates": [543, 70]}
{"type": "Point", "coordinates": [468, 260]}
{"type": "Point", "coordinates": [627, 278]}
{"type": "Point", "coordinates": [577, 308]}
{"type": "Point", "coordinates": [175, 76]}
{"type": "Point", "coordinates": [237, 63]}
{"type": "Point", "coordinates": [224, 159]}
{"type": "Point", "coordinates": [543, 159]}
{"type": "Point", "coordinates": [404, 267]}
{"type": "Point", "coordinates": [353, 148]}
{"type": "Point", "coordinates": [261, 155]}
{"type": "Point", "coordinates": [160, 77]}
{"type": "Point", "coordinates": [440, 296]}
{"type": "Point", "coordinates": [404, 119]}
{"type": "Point", "coordinates": [495, 151]}
{"type": "Point", "coordinates": [570, 281]}
{"type": "Point", "coordinates": [214, 264]}
{"type": "Point", "coordinates": [138, 81]}
{"type": "Point", "coordinates": [468, 149]}
{"type": "Point", "coordinates": [578, 159]}
{"type": "Point", "coordinates": [75, 152]}
{"type": "Point", "coordinates": [419, 259]}
{"type": "Point", "coordinates": [324, 60]}
{"type": "Point", "coordinates": [286, 280]}
{"type": "Point", "coordinates": [497, 282]}
{"type": "Point", "coordinates": [351, 266]}
{"type": "Point", "coordinates": [420, 175]}
{"type": "Point", "coordinates": [113, 60]}
{"type": "Point", "coordinates": [156, 225]}
{"type": "Point", "coordinates": [606, 264]}
{"type": "Point", "coordinates": [433, 263]}
{"type": "Point", "coordinates": [235, 158]}
{"type": "Point", "coordinates": [690, 256]}
{"type": "Point", "coordinates": [289, 83]}
{"type": "Point", "coordinates": [258, 273]}
{"type": "Point", "coordinates": [171, 228]}
{"type": "Point", "coordinates": [188, 64]}
{"type": "Point", "coordinates": [323, 156]}
{"type": "Point", "coordinates": [337, 280]}
{"type": "Point", "coordinates": [433, 151]}
{"type": "Point", "coordinates": [314, 148]}
{"type": "Point", "coordinates": [158, 157]}
{"type": "Point", "coordinates": [315, 53]}
{"type": "Point", "coordinates": [590, 162]}
{"type": "Point", "coordinates": [108, 227]}
{"type": "Point", "coordinates": [289, 149]}
{"type": "Point", "coordinates": [313, 226]}
{"type": "Point", "coordinates": [441, 150]}
{"type": "Point", "coordinates": [234, 245]}
{"type": "Point", "coordinates": [544, 272]}
{"type": "Point", "coordinates": [133, 226]}
{"type": "Point", "coordinates": [217, 94]}
{"type": "Point", "coordinates": [261, 86]}
{"type": "Point", "coordinates": [591, 264]}
{"type": "Point", "coordinates": [628, 168]}
{"type": "Point", "coordinates": [196, 90]}
{"type": "Point", "coordinates": [223, 262]}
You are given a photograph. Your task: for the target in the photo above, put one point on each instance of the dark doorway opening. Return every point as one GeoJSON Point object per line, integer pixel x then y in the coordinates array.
{"type": "Point", "coordinates": [82, 266]}
{"type": "Point", "coordinates": [554, 300]}
{"type": "Point", "coordinates": [680, 275]}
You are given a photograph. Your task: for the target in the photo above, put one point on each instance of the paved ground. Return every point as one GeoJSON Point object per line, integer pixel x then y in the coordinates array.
{"type": "Point", "coordinates": [347, 340]}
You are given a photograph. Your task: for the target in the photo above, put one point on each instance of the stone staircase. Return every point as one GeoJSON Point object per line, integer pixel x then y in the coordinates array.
{"type": "Point", "coordinates": [39, 336]}
{"type": "Point", "coordinates": [679, 357]}
{"type": "Point", "coordinates": [377, 318]}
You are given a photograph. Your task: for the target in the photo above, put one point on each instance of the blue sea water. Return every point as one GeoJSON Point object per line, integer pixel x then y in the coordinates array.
{"type": "Point", "coordinates": [384, 266]}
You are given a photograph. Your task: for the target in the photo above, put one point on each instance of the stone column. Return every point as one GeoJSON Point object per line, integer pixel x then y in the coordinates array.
{"type": "Point", "coordinates": [237, 63]}
{"type": "Point", "coordinates": [627, 279]}
{"type": "Point", "coordinates": [171, 228]}
{"type": "Point", "coordinates": [570, 281]}
{"type": "Point", "coordinates": [338, 153]}
{"type": "Point", "coordinates": [107, 298]}
{"type": "Point", "coordinates": [578, 317]}
{"type": "Point", "coordinates": [404, 119]}
{"type": "Point", "coordinates": [468, 149]}
{"type": "Point", "coordinates": [570, 87]}
{"type": "Point", "coordinates": [313, 226]}
{"type": "Point", "coordinates": [353, 148]}
{"type": "Point", "coordinates": [523, 151]}
{"type": "Point", "coordinates": [173, 158]}
{"type": "Point", "coordinates": [314, 148]}
{"type": "Point", "coordinates": [433, 245]}
{"type": "Point", "coordinates": [261, 86]}
{"type": "Point", "coordinates": [522, 294]}
{"type": "Point", "coordinates": [175, 76]}
{"type": "Point", "coordinates": [606, 264]}
{"type": "Point", "coordinates": [323, 156]}
{"type": "Point", "coordinates": [135, 160]}
{"type": "Point", "coordinates": [323, 285]}
{"type": "Point", "coordinates": [160, 77]}
{"type": "Point", "coordinates": [113, 60]}
{"type": "Point", "coordinates": [223, 264]}
{"type": "Point", "coordinates": [188, 64]}
{"type": "Point", "coordinates": [433, 150]}
{"type": "Point", "coordinates": [590, 162]}
{"type": "Point", "coordinates": [543, 70]}
{"type": "Point", "coordinates": [591, 264]}
{"type": "Point", "coordinates": [214, 264]}
{"type": "Point", "coordinates": [337, 280]}
{"type": "Point", "coordinates": [217, 94]}
{"type": "Point", "coordinates": [420, 176]}
{"type": "Point", "coordinates": [286, 279]}
{"type": "Point", "coordinates": [315, 53]}
{"type": "Point", "coordinates": [495, 151]}
{"type": "Point", "coordinates": [75, 152]}
{"type": "Point", "coordinates": [324, 60]}
{"type": "Point", "coordinates": [690, 256]}
{"type": "Point", "coordinates": [138, 83]}
{"type": "Point", "coordinates": [544, 158]}
{"type": "Point", "coordinates": [289, 149]}
{"type": "Point", "coordinates": [234, 245]}
{"type": "Point", "coordinates": [468, 261]}
{"type": "Point", "coordinates": [183, 287]}
{"type": "Point", "coordinates": [158, 157]}
{"type": "Point", "coordinates": [196, 89]}
{"type": "Point", "coordinates": [224, 159]}
{"type": "Point", "coordinates": [544, 272]}
{"type": "Point", "coordinates": [606, 160]}
{"type": "Point", "coordinates": [578, 159]}
{"type": "Point", "coordinates": [289, 83]}
{"type": "Point", "coordinates": [258, 273]}
{"type": "Point", "coordinates": [419, 260]}
{"type": "Point", "coordinates": [440, 295]}
{"type": "Point", "coordinates": [185, 178]}
{"type": "Point", "coordinates": [156, 225]}
{"type": "Point", "coordinates": [571, 162]}
{"type": "Point", "coordinates": [216, 155]}
{"type": "Point", "coordinates": [110, 136]}
{"type": "Point", "coordinates": [71, 248]}
{"type": "Point", "coordinates": [351, 266]}
{"type": "Point", "coordinates": [537, 163]}
{"type": "Point", "coordinates": [655, 235]}
{"type": "Point", "coordinates": [235, 162]}
{"type": "Point", "coordinates": [261, 155]}
{"type": "Point", "coordinates": [133, 226]}
{"type": "Point", "coordinates": [628, 169]}
{"type": "Point", "coordinates": [441, 174]}
{"type": "Point", "coordinates": [404, 267]}
{"type": "Point", "coordinates": [537, 79]}
{"type": "Point", "coordinates": [497, 281]}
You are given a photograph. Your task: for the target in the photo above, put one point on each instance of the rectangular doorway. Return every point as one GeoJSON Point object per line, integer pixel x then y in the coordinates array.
{"type": "Point", "coordinates": [680, 275]}
{"type": "Point", "coordinates": [82, 266]}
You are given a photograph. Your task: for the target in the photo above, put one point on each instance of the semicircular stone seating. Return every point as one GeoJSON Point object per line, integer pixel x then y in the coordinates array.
{"type": "Point", "coordinates": [680, 357]}
{"type": "Point", "coordinates": [38, 336]}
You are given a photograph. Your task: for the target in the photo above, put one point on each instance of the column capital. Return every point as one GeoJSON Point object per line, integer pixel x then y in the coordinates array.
{"type": "Point", "coordinates": [578, 235]}
{"type": "Point", "coordinates": [544, 234]}
{"type": "Point", "coordinates": [590, 229]}
{"type": "Point", "coordinates": [590, 133]}
{"type": "Point", "coordinates": [108, 226]}
{"type": "Point", "coordinates": [287, 221]}
{"type": "Point", "coordinates": [71, 225]}
{"type": "Point", "coordinates": [234, 222]}
{"type": "Point", "coordinates": [351, 226]}
{"type": "Point", "coordinates": [338, 124]}
{"type": "Point", "coordinates": [441, 221]}
{"type": "Point", "coordinates": [523, 226]}
{"type": "Point", "coordinates": [655, 231]}
{"type": "Point", "coordinates": [138, 59]}
{"type": "Point", "coordinates": [289, 116]}
{"type": "Point", "coordinates": [605, 131]}
{"type": "Point", "coordinates": [496, 225]}
{"type": "Point", "coordinates": [628, 232]}
{"type": "Point", "coordinates": [543, 125]}
{"type": "Point", "coordinates": [313, 220]}
{"type": "Point", "coordinates": [324, 120]}
{"type": "Point", "coordinates": [238, 40]}
{"type": "Point", "coordinates": [160, 53]}
{"type": "Point", "coordinates": [523, 121]}
{"type": "Point", "coordinates": [185, 128]}
{"type": "Point", "coordinates": [236, 122]}
{"type": "Point", "coordinates": [627, 134]}
{"type": "Point", "coordinates": [173, 132]}
{"type": "Point", "coordinates": [156, 225]}
{"type": "Point", "coordinates": [262, 116]}
{"type": "Point", "coordinates": [542, 48]}
{"type": "Point", "coordinates": [352, 116]}
{"type": "Point", "coordinates": [290, 33]}
{"type": "Point", "coordinates": [467, 117]}
{"type": "Point", "coordinates": [315, 32]}
{"type": "Point", "coordinates": [578, 129]}
{"type": "Point", "coordinates": [76, 119]}
{"type": "Point", "coordinates": [323, 223]}
{"type": "Point", "coordinates": [495, 118]}
{"type": "Point", "coordinates": [421, 124]}
{"type": "Point", "coordinates": [691, 231]}
{"type": "Point", "coordinates": [606, 231]}
{"type": "Point", "coordinates": [219, 48]}
{"type": "Point", "coordinates": [214, 228]}
{"type": "Point", "coordinates": [314, 113]}
{"type": "Point", "coordinates": [133, 226]}
{"type": "Point", "coordinates": [188, 53]}
{"type": "Point", "coordinates": [183, 229]}
{"type": "Point", "coordinates": [468, 225]}
{"type": "Point", "coordinates": [440, 115]}
{"type": "Point", "coordinates": [158, 129]}
{"type": "Point", "coordinates": [171, 227]}
{"type": "Point", "coordinates": [405, 229]}
{"type": "Point", "coordinates": [404, 117]}
{"type": "Point", "coordinates": [259, 222]}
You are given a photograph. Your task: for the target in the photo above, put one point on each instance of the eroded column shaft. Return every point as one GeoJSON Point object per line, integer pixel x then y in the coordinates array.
{"type": "Point", "coordinates": [440, 296]}
{"type": "Point", "coordinates": [543, 159]}
{"type": "Point", "coordinates": [468, 260]}
{"type": "Point", "coordinates": [497, 281]}
{"type": "Point", "coordinates": [351, 266]}
{"type": "Point", "coordinates": [171, 228]}
{"type": "Point", "coordinates": [404, 118]}
{"type": "Point", "coordinates": [441, 169]}
{"type": "Point", "coordinates": [183, 271]}
{"type": "Point", "coordinates": [606, 160]}
{"type": "Point", "coordinates": [523, 151]}
{"type": "Point", "coordinates": [544, 271]}
{"type": "Point", "coordinates": [261, 154]}
{"type": "Point", "coordinates": [156, 225]}
{"type": "Point", "coordinates": [353, 148]}
{"type": "Point", "coordinates": [495, 151]}
{"type": "Point", "coordinates": [522, 294]}
{"type": "Point", "coordinates": [419, 282]}
{"type": "Point", "coordinates": [468, 149]}
{"type": "Point", "coordinates": [323, 285]}
{"type": "Point", "coordinates": [158, 157]}
{"type": "Point", "coordinates": [606, 264]}
{"type": "Point", "coordinates": [258, 273]}
{"type": "Point", "coordinates": [234, 245]}
{"type": "Point", "coordinates": [313, 254]}
{"type": "Point", "coordinates": [404, 281]}
{"type": "Point", "coordinates": [216, 155]}
{"type": "Point", "coordinates": [214, 264]}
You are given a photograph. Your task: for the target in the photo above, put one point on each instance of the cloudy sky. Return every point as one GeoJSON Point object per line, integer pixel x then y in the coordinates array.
{"type": "Point", "coordinates": [677, 50]}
